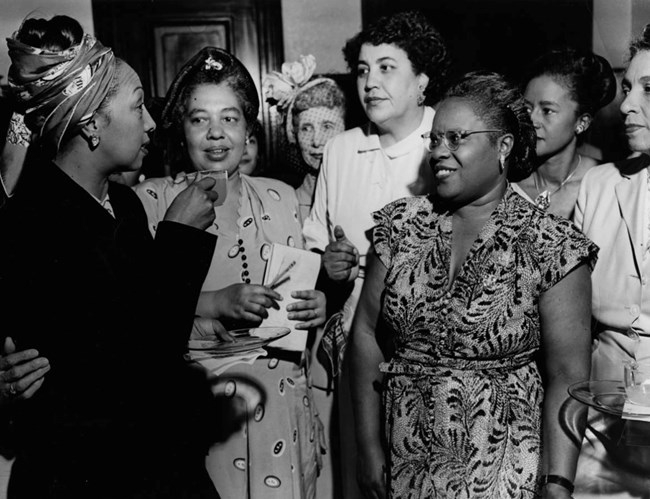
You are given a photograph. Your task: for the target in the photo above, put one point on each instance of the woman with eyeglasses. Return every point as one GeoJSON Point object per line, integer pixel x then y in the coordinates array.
{"type": "Point", "coordinates": [464, 290]}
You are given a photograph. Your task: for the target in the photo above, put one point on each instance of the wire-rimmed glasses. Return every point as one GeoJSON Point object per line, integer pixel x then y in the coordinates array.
{"type": "Point", "coordinates": [451, 138]}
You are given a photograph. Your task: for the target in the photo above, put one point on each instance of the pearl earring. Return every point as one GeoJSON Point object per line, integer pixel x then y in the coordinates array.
{"type": "Point", "coordinates": [94, 141]}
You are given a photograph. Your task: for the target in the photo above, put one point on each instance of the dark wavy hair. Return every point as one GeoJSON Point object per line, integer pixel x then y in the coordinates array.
{"type": "Point", "coordinates": [57, 34]}
{"type": "Point", "coordinates": [500, 105]}
{"type": "Point", "coordinates": [413, 33]}
{"type": "Point", "coordinates": [640, 44]}
{"type": "Point", "coordinates": [588, 77]}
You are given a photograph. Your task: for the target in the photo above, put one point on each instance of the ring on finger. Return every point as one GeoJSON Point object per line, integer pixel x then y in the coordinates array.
{"type": "Point", "coordinates": [12, 389]}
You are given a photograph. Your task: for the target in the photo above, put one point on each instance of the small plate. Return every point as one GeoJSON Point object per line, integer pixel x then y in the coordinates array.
{"type": "Point", "coordinates": [245, 340]}
{"type": "Point", "coordinates": [605, 395]}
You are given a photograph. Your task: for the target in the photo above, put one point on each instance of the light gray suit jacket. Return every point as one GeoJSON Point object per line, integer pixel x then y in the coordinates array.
{"type": "Point", "coordinates": [611, 211]}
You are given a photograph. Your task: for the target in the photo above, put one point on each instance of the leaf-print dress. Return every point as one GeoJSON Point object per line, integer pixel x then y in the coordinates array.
{"type": "Point", "coordinates": [463, 394]}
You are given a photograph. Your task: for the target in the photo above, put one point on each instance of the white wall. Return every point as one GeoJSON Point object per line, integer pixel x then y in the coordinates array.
{"type": "Point", "coordinates": [616, 23]}
{"type": "Point", "coordinates": [321, 28]}
{"type": "Point", "coordinates": [13, 12]}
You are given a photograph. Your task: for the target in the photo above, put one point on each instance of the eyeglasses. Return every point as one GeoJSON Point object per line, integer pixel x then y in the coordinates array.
{"type": "Point", "coordinates": [451, 138]}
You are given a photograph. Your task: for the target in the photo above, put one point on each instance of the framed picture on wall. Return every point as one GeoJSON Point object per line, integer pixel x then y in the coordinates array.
{"type": "Point", "coordinates": [176, 44]}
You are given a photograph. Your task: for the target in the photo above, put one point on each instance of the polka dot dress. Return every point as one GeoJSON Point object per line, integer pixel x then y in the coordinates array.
{"type": "Point", "coordinates": [274, 454]}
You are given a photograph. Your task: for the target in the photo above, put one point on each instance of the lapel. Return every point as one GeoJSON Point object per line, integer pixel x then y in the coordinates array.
{"type": "Point", "coordinates": [631, 195]}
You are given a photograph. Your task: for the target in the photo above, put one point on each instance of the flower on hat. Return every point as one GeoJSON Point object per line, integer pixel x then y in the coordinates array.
{"type": "Point", "coordinates": [283, 87]}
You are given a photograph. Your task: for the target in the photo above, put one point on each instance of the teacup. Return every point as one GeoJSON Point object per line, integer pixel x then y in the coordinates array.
{"type": "Point", "coordinates": [220, 184]}
{"type": "Point", "coordinates": [637, 380]}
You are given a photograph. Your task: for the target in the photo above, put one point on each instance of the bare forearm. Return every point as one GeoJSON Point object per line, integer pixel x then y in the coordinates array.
{"type": "Point", "coordinates": [366, 389]}
{"type": "Point", "coordinates": [565, 312]}
{"type": "Point", "coordinates": [563, 427]}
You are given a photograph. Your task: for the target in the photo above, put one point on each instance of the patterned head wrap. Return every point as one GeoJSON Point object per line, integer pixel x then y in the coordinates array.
{"type": "Point", "coordinates": [59, 90]}
{"type": "Point", "coordinates": [282, 88]}
{"type": "Point", "coordinates": [218, 65]}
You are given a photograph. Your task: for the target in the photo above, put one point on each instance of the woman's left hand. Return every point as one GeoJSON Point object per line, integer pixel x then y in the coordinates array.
{"type": "Point", "coordinates": [310, 310]}
{"type": "Point", "coordinates": [21, 372]}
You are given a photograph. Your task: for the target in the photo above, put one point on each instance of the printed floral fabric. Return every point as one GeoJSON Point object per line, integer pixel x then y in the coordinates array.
{"type": "Point", "coordinates": [18, 133]}
{"type": "Point", "coordinates": [463, 394]}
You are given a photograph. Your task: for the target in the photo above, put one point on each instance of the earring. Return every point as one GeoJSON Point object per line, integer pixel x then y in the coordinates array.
{"type": "Point", "coordinates": [502, 163]}
{"type": "Point", "coordinates": [421, 96]}
{"type": "Point", "coordinates": [579, 129]}
{"type": "Point", "coordinates": [248, 139]}
{"type": "Point", "coordinates": [94, 142]}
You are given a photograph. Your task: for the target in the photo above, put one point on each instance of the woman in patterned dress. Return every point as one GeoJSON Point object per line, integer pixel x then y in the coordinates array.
{"type": "Point", "coordinates": [468, 286]}
{"type": "Point", "coordinates": [209, 110]}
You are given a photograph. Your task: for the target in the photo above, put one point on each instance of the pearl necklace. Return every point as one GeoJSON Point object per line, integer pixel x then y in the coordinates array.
{"type": "Point", "coordinates": [543, 199]}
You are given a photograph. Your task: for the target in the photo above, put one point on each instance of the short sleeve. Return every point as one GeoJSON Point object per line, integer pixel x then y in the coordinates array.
{"type": "Point", "coordinates": [563, 248]}
{"type": "Point", "coordinates": [390, 226]}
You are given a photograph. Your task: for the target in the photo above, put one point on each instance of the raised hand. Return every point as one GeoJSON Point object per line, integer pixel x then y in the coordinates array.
{"type": "Point", "coordinates": [341, 258]}
{"type": "Point", "coordinates": [194, 205]}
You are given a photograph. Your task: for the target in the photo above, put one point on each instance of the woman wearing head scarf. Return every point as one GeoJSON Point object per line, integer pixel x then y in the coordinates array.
{"type": "Point", "coordinates": [313, 110]}
{"type": "Point", "coordinates": [208, 112]}
{"type": "Point", "coordinates": [467, 289]}
{"type": "Point", "coordinates": [117, 412]}
{"type": "Point", "coordinates": [613, 210]}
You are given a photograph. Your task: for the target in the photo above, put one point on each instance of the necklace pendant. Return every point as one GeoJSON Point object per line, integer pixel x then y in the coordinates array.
{"type": "Point", "coordinates": [543, 201]}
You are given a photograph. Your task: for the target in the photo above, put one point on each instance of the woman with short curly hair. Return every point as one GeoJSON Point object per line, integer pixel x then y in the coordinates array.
{"type": "Point", "coordinates": [412, 33]}
{"type": "Point", "coordinates": [400, 64]}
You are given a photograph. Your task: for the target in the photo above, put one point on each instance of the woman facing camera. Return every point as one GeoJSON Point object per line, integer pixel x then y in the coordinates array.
{"type": "Point", "coordinates": [314, 112]}
{"type": "Point", "coordinates": [400, 64]}
{"type": "Point", "coordinates": [209, 109]}
{"type": "Point", "coordinates": [464, 289]}
{"type": "Point", "coordinates": [612, 210]}
{"type": "Point", "coordinates": [565, 90]}
{"type": "Point", "coordinates": [118, 414]}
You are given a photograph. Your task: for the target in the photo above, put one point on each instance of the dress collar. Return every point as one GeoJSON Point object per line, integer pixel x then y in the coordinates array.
{"type": "Point", "coordinates": [370, 140]}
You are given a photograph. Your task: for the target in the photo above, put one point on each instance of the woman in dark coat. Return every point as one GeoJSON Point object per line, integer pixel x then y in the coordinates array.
{"type": "Point", "coordinates": [113, 416]}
